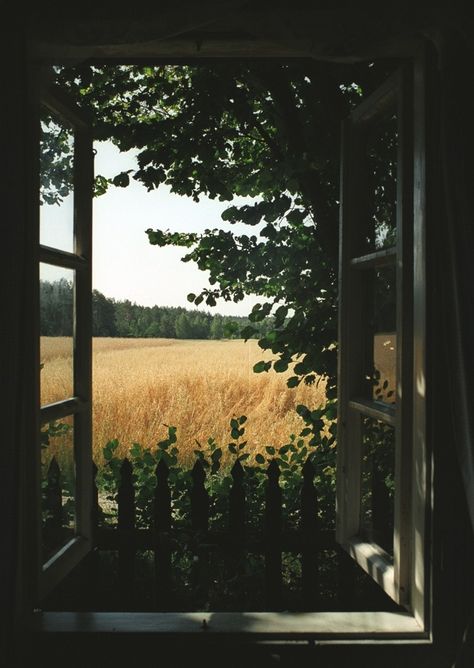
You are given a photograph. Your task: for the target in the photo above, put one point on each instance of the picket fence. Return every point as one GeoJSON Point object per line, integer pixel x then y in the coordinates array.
{"type": "Point", "coordinates": [163, 537]}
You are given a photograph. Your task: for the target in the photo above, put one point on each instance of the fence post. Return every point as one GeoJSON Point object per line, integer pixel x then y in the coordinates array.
{"type": "Point", "coordinates": [346, 579]}
{"type": "Point", "coordinates": [237, 503]}
{"type": "Point", "coordinates": [126, 529]}
{"type": "Point", "coordinates": [272, 538]}
{"type": "Point", "coordinates": [200, 525]}
{"type": "Point", "coordinates": [91, 578]}
{"type": "Point", "coordinates": [235, 558]}
{"type": "Point", "coordinates": [54, 498]}
{"type": "Point", "coordinates": [53, 507]}
{"type": "Point", "coordinates": [162, 527]}
{"type": "Point", "coordinates": [95, 509]}
{"type": "Point", "coordinates": [309, 530]}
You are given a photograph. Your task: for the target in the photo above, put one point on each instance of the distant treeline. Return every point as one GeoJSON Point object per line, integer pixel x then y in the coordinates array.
{"type": "Point", "coordinates": [126, 319]}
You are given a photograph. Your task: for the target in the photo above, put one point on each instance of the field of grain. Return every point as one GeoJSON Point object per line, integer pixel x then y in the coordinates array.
{"type": "Point", "coordinates": [140, 385]}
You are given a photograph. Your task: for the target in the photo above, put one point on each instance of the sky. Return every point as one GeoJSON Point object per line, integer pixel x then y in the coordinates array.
{"type": "Point", "coordinates": [125, 265]}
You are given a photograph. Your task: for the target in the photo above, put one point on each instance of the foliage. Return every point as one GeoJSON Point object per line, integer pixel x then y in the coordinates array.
{"type": "Point", "coordinates": [267, 131]}
{"type": "Point", "coordinates": [317, 441]}
{"type": "Point", "coordinates": [50, 433]}
{"type": "Point", "coordinates": [56, 155]}
{"type": "Point", "coordinates": [117, 318]}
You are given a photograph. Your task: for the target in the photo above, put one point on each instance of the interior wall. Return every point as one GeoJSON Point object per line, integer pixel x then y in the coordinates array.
{"type": "Point", "coordinates": [17, 345]}
{"type": "Point", "coordinates": [453, 542]}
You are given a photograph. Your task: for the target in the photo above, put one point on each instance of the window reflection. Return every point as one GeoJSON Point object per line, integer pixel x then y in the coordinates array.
{"type": "Point", "coordinates": [56, 330]}
{"type": "Point", "coordinates": [381, 165]}
{"type": "Point", "coordinates": [56, 183]}
{"type": "Point", "coordinates": [377, 483]}
{"type": "Point", "coordinates": [58, 479]}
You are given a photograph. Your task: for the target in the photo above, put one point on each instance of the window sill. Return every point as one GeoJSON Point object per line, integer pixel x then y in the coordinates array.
{"type": "Point", "coordinates": [302, 626]}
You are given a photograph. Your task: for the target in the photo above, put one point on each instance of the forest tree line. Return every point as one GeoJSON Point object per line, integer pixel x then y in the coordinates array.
{"type": "Point", "coordinates": [112, 317]}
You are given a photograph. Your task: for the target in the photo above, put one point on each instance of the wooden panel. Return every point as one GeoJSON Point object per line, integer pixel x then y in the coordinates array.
{"type": "Point", "coordinates": [61, 563]}
{"type": "Point", "coordinates": [379, 411]}
{"type": "Point", "coordinates": [419, 594]}
{"type": "Point", "coordinates": [404, 279]}
{"type": "Point", "coordinates": [350, 352]}
{"type": "Point", "coordinates": [329, 625]}
{"type": "Point", "coordinates": [272, 533]}
{"type": "Point", "coordinates": [61, 258]}
{"type": "Point", "coordinates": [379, 258]}
{"type": "Point", "coordinates": [376, 562]}
{"type": "Point", "coordinates": [397, 91]}
{"type": "Point", "coordinates": [83, 188]}
{"type": "Point", "coordinates": [384, 96]}
{"type": "Point", "coordinates": [80, 405]}
{"type": "Point", "coordinates": [61, 409]}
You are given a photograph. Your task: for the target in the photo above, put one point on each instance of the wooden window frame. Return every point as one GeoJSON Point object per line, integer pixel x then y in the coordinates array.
{"type": "Point", "coordinates": [80, 404]}
{"type": "Point", "coordinates": [402, 577]}
{"type": "Point", "coordinates": [403, 630]}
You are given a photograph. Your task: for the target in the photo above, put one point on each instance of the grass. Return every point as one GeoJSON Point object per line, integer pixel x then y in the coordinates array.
{"type": "Point", "coordinates": [140, 385]}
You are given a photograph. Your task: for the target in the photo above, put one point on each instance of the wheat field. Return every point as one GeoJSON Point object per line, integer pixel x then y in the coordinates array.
{"type": "Point", "coordinates": [140, 385]}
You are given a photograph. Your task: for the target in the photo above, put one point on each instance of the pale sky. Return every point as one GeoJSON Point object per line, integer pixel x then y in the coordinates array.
{"type": "Point", "coordinates": [125, 265]}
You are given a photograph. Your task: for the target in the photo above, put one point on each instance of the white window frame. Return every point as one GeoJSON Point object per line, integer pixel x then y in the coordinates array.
{"type": "Point", "coordinates": [402, 577]}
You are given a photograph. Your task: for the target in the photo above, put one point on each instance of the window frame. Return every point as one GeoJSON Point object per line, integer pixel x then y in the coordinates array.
{"type": "Point", "coordinates": [52, 571]}
{"type": "Point", "coordinates": [403, 578]}
{"type": "Point", "coordinates": [349, 627]}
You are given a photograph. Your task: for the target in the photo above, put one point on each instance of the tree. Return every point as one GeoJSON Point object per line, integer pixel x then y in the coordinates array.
{"type": "Point", "coordinates": [183, 327]}
{"type": "Point", "coordinates": [217, 327]}
{"type": "Point", "coordinates": [103, 315]}
{"type": "Point", "coordinates": [56, 308]}
{"type": "Point", "coordinates": [263, 130]}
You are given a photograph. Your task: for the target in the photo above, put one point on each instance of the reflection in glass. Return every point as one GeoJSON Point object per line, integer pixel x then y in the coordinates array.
{"type": "Point", "coordinates": [381, 161]}
{"type": "Point", "coordinates": [56, 183]}
{"type": "Point", "coordinates": [377, 483]}
{"type": "Point", "coordinates": [58, 478]}
{"type": "Point", "coordinates": [56, 330]}
{"type": "Point", "coordinates": [382, 343]}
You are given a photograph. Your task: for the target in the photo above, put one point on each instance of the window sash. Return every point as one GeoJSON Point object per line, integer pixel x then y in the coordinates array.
{"type": "Point", "coordinates": [69, 555]}
{"type": "Point", "coordinates": [395, 575]}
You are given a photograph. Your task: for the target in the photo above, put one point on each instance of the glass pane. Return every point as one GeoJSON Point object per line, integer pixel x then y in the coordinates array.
{"type": "Point", "coordinates": [56, 183]}
{"type": "Point", "coordinates": [58, 478]}
{"type": "Point", "coordinates": [56, 330]}
{"type": "Point", "coordinates": [382, 342]}
{"type": "Point", "coordinates": [377, 483]}
{"type": "Point", "coordinates": [381, 160]}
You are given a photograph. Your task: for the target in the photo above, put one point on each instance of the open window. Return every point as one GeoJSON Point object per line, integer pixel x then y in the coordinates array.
{"type": "Point", "coordinates": [380, 479]}
{"type": "Point", "coordinates": [381, 466]}
{"type": "Point", "coordinates": [65, 262]}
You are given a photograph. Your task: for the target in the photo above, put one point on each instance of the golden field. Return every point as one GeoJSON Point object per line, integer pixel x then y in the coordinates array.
{"type": "Point", "coordinates": [140, 385]}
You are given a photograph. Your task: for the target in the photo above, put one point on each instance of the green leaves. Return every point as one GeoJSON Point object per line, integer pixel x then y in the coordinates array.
{"type": "Point", "coordinates": [280, 366]}
{"type": "Point", "coordinates": [247, 332]}
{"type": "Point", "coordinates": [122, 180]}
{"type": "Point", "coordinates": [267, 131]}
{"type": "Point", "coordinates": [259, 367]}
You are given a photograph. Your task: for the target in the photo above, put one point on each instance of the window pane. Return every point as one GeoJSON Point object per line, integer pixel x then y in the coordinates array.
{"type": "Point", "coordinates": [58, 478]}
{"type": "Point", "coordinates": [56, 330]}
{"type": "Point", "coordinates": [56, 183]}
{"type": "Point", "coordinates": [377, 483]}
{"type": "Point", "coordinates": [382, 341]}
{"type": "Point", "coordinates": [381, 161]}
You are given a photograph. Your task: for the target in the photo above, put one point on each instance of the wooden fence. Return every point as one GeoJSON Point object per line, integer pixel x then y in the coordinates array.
{"type": "Point", "coordinates": [307, 542]}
